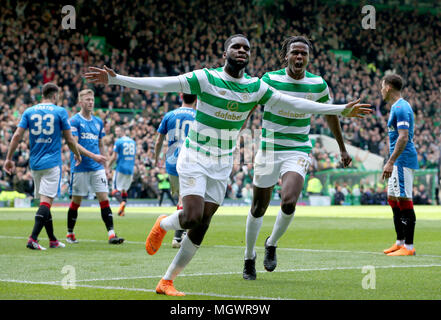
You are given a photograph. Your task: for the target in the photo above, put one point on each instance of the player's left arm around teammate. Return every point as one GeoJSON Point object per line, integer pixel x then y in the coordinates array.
{"type": "Point", "coordinates": [73, 145]}
{"type": "Point", "coordinates": [334, 126]}
{"type": "Point", "coordinates": [9, 165]}
{"type": "Point", "coordinates": [403, 137]}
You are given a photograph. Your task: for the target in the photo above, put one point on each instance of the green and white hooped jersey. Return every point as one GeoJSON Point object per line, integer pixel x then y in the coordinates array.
{"type": "Point", "coordinates": [223, 105]}
{"type": "Point", "coordinates": [286, 130]}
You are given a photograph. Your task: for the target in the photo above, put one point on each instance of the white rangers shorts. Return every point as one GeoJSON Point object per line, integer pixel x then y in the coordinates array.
{"type": "Point", "coordinates": [269, 166]}
{"type": "Point", "coordinates": [82, 182]}
{"type": "Point", "coordinates": [122, 181]}
{"type": "Point", "coordinates": [47, 182]}
{"type": "Point", "coordinates": [400, 184]}
{"type": "Point", "coordinates": [202, 175]}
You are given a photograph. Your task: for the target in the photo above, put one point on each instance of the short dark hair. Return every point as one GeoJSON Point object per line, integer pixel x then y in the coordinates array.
{"type": "Point", "coordinates": [49, 90]}
{"type": "Point", "coordinates": [228, 41]}
{"type": "Point", "coordinates": [394, 80]}
{"type": "Point", "coordinates": [287, 43]}
{"type": "Point", "coordinates": [189, 98]}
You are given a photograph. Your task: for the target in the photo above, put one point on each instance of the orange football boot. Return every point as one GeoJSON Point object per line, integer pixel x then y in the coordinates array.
{"type": "Point", "coordinates": [155, 237]}
{"type": "Point", "coordinates": [166, 287]}
{"type": "Point", "coordinates": [403, 252]}
{"type": "Point", "coordinates": [394, 247]}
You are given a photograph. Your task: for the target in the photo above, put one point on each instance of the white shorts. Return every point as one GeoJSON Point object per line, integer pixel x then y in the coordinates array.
{"type": "Point", "coordinates": [270, 166]}
{"type": "Point", "coordinates": [47, 182]}
{"type": "Point", "coordinates": [400, 184]}
{"type": "Point", "coordinates": [83, 182]}
{"type": "Point", "coordinates": [122, 181]}
{"type": "Point", "coordinates": [174, 185]}
{"type": "Point", "coordinates": [202, 176]}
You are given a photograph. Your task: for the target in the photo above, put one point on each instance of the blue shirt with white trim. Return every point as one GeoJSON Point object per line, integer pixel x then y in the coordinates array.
{"type": "Point", "coordinates": [46, 122]}
{"type": "Point", "coordinates": [125, 148]}
{"type": "Point", "coordinates": [401, 117]}
{"type": "Point", "coordinates": [89, 133]}
{"type": "Point", "coordinates": [175, 124]}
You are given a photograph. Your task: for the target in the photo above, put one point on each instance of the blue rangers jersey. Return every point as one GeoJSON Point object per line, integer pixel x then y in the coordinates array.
{"type": "Point", "coordinates": [176, 125]}
{"type": "Point", "coordinates": [89, 132]}
{"type": "Point", "coordinates": [125, 148]}
{"type": "Point", "coordinates": [46, 123]}
{"type": "Point", "coordinates": [401, 117]}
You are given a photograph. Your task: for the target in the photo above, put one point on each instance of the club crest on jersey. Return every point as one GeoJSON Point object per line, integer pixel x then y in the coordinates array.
{"type": "Point", "coordinates": [309, 96]}
{"type": "Point", "coordinates": [246, 96]}
{"type": "Point", "coordinates": [97, 126]}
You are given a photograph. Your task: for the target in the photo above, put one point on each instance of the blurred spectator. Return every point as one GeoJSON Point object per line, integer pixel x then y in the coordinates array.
{"type": "Point", "coordinates": [367, 196]}
{"type": "Point", "coordinates": [380, 196]}
{"type": "Point", "coordinates": [247, 193]}
{"type": "Point", "coordinates": [339, 197]}
{"type": "Point", "coordinates": [314, 185]}
{"type": "Point", "coordinates": [420, 195]}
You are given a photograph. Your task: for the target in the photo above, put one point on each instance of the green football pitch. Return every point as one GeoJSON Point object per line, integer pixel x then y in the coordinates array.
{"type": "Point", "coordinates": [327, 253]}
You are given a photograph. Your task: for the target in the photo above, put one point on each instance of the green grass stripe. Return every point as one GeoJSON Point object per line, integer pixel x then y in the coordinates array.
{"type": "Point", "coordinates": [204, 140]}
{"type": "Point", "coordinates": [286, 121]}
{"type": "Point", "coordinates": [232, 86]}
{"type": "Point", "coordinates": [216, 123]}
{"type": "Point", "coordinates": [277, 147]}
{"type": "Point", "coordinates": [231, 105]}
{"type": "Point", "coordinates": [286, 136]}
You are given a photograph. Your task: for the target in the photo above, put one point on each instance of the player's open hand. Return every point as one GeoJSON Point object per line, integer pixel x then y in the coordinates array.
{"type": "Point", "coordinates": [387, 170]}
{"type": "Point", "coordinates": [101, 159]}
{"type": "Point", "coordinates": [345, 159]}
{"type": "Point", "coordinates": [355, 109]}
{"type": "Point", "coordinates": [99, 76]}
{"type": "Point", "coordinates": [77, 160]}
{"type": "Point", "coordinates": [9, 166]}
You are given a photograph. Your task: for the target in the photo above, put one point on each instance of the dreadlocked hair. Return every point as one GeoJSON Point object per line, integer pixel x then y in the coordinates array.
{"type": "Point", "coordinates": [287, 43]}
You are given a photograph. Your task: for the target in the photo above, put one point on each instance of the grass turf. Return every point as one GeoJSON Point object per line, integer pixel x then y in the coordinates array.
{"type": "Point", "coordinates": [321, 256]}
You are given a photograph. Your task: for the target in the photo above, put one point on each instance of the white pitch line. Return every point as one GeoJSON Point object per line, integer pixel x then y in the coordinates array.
{"type": "Point", "coordinates": [261, 271]}
{"type": "Point", "coordinates": [83, 240]}
{"type": "Point", "coordinates": [207, 294]}
{"type": "Point", "coordinates": [210, 274]}
{"type": "Point", "coordinates": [240, 247]}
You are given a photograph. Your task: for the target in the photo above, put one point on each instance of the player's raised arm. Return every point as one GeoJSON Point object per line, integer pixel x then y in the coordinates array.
{"type": "Point", "coordinates": [353, 109]}
{"type": "Point", "coordinates": [156, 84]}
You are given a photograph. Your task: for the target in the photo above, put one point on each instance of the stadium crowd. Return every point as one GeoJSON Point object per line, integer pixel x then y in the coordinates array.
{"type": "Point", "coordinates": [158, 38]}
